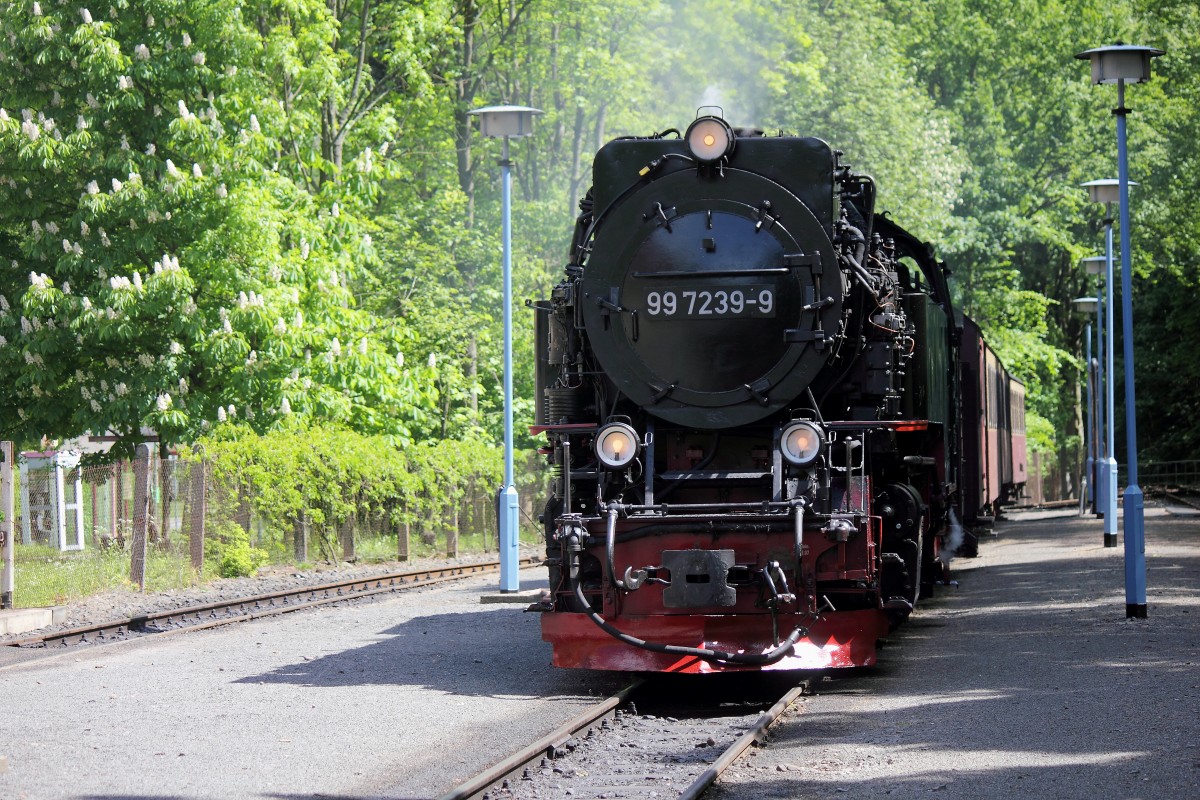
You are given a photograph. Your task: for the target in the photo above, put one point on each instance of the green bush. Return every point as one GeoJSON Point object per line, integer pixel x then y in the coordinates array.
{"type": "Point", "coordinates": [231, 552]}
{"type": "Point", "coordinates": [337, 480]}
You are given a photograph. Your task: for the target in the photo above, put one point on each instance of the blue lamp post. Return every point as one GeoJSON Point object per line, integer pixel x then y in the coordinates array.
{"type": "Point", "coordinates": [1117, 64]}
{"type": "Point", "coordinates": [1105, 472]}
{"type": "Point", "coordinates": [1088, 305]}
{"type": "Point", "coordinates": [505, 122]}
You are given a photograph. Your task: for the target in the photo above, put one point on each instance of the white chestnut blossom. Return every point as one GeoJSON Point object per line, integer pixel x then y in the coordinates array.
{"type": "Point", "coordinates": [221, 416]}
{"type": "Point", "coordinates": [86, 15]}
{"type": "Point", "coordinates": [400, 360]}
{"type": "Point", "coordinates": [254, 124]}
{"type": "Point", "coordinates": [141, 52]}
{"type": "Point", "coordinates": [80, 123]}
{"type": "Point", "coordinates": [121, 389]}
{"type": "Point", "coordinates": [163, 402]}
{"type": "Point", "coordinates": [198, 58]}
{"type": "Point", "coordinates": [31, 130]}
{"type": "Point", "coordinates": [93, 187]}
{"type": "Point", "coordinates": [196, 173]}
{"type": "Point", "coordinates": [176, 349]}
{"type": "Point", "coordinates": [222, 192]}
{"type": "Point", "coordinates": [187, 40]}
{"type": "Point", "coordinates": [172, 170]}
{"type": "Point", "coordinates": [433, 360]}
{"type": "Point", "coordinates": [124, 82]}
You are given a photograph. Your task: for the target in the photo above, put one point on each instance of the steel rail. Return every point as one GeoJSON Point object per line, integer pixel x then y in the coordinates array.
{"type": "Point", "coordinates": [252, 607]}
{"type": "Point", "coordinates": [476, 786]}
{"type": "Point", "coordinates": [756, 734]}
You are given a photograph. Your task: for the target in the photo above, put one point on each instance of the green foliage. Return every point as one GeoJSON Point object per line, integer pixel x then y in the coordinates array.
{"type": "Point", "coordinates": [279, 212]}
{"type": "Point", "coordinates": [230, 554]}
{"type": "Point", "coordinates": [174, 255]}
{"type": "Point", "coordinates": [332, 477]}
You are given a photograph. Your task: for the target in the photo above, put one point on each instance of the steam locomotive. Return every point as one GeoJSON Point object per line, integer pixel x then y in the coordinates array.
{"type": "Point", "coordinates": [752, 387]}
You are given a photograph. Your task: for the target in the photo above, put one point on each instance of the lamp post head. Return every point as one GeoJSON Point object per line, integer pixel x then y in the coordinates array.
{"type": "Point", "coordinates": [1095, 264]}
{"type": "Point", "coordinates": [1105, 190]}
{"type": "Point", "coordinates": [1120, 62]}
{"type": "Point", "coordinates": [1086, 305]}
{"type": "Point", "coordinates": [498, 121]}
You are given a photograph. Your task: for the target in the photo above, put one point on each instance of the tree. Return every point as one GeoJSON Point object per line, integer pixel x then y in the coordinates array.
{"type": "Point", "coordinates": [159, 270]}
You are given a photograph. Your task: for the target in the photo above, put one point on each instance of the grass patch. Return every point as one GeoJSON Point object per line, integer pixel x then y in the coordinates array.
{"type": "Point", "coordinates": [46, 577]}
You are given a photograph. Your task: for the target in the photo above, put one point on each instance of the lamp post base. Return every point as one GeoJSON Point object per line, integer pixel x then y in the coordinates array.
{"type": "Point", "coordinates": [1135, 611]}
{"type": "Point", "coordinates": [510, 542]}
{"type": "Point", "coordinates": [1110, 540]}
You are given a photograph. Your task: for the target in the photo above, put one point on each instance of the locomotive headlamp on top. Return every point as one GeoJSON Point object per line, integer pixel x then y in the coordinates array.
{"type": "Point", "coordinates": [801, 443]}
{"type": "Point", "coordinates": [616, 445]}
{"type": "Point", "coordinates": [710, 139]}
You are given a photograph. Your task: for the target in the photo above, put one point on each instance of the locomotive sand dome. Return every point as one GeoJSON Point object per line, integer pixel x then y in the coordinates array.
{"type": "Point", "coordinates": [712, 295]}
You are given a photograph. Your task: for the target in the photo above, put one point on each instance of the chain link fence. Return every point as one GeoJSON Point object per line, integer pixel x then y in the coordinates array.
{"type": "Point", "coordinates": [157, 523]}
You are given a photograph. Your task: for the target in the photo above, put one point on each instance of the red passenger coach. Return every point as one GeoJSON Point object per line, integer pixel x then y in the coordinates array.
{"type": "Point", "coordinates": [993, 412]}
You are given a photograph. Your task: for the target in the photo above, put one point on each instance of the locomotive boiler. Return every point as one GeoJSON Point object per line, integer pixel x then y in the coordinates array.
{"type": "Point", "coordinates": [748, 380]}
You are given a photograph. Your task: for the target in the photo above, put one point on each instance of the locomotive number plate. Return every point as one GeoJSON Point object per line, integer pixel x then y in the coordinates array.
{"type": "Point", "coordinates": [722, 303]}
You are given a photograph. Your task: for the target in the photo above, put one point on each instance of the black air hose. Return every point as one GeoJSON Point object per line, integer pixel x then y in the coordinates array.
{"type": "Point", "coordinates": [719, 656]}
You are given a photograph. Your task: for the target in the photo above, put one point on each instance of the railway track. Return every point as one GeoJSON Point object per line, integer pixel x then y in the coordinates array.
{"type": "Point", "coordinates": [611, 750]}
{"type": "Point", "coordinates": [210, 615]}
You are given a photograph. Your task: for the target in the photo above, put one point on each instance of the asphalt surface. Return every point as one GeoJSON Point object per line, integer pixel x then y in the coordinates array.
{"type": "Point", "coordinates": [1027, 681]}
{"type": "Point", "coordinates": [402, 698]}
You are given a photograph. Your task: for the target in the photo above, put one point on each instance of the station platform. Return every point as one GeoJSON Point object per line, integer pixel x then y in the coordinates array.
{"type": "Point", "coordinates": [1026, 680]}
{"type": "Point", "coordinates": [22, 620]}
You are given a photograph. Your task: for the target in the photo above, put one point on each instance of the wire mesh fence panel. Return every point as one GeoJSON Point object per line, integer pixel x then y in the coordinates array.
{"type": "Point", "coordinates": [165, 522]}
